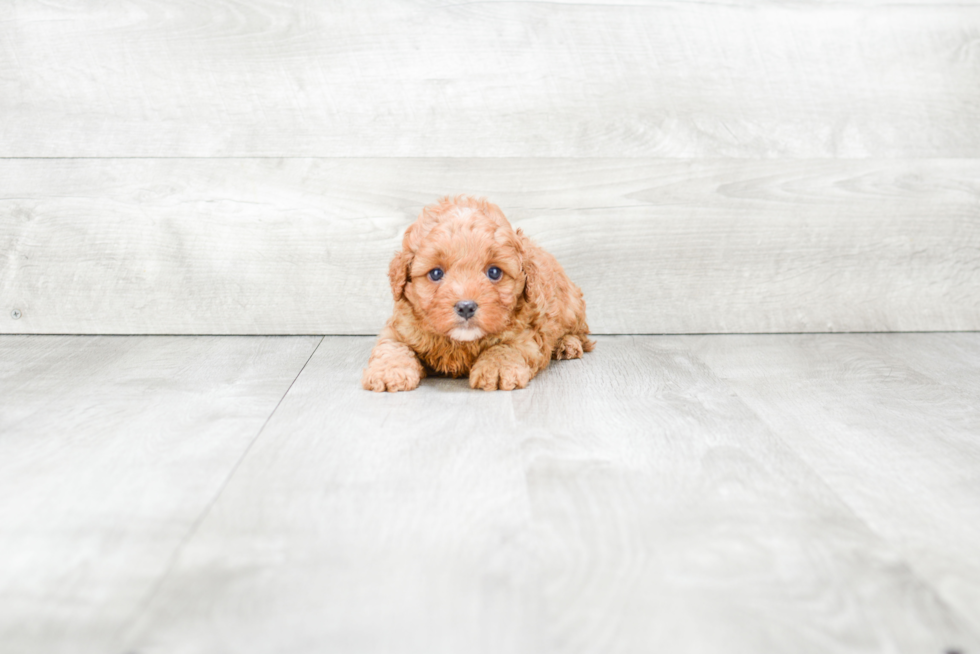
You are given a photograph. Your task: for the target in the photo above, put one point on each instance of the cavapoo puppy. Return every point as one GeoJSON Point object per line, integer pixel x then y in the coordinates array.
{"type": "Point", "coordinates": [475, 297]}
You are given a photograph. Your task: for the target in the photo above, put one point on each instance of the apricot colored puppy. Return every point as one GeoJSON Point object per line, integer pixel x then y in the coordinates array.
{"type": "Point", "coordinates": [474, 297]}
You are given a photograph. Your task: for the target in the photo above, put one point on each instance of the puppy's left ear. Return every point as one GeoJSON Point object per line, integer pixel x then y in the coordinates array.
{"type": "Point", "coordinates": [398, 273]}
{"type": "Point", "coordinates": [533, 292]}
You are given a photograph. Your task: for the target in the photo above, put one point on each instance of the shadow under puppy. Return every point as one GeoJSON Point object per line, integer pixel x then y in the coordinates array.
{"type": "Point", "coordinates": [475, 297]}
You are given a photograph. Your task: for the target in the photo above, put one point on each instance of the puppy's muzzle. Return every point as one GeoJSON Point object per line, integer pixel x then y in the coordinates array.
{"type": "Point", "coordinates": [465, 309]}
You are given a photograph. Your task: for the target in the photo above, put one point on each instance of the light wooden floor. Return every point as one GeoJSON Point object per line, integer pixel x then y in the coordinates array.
{"type": "Point", "coordinates": [798, 493]}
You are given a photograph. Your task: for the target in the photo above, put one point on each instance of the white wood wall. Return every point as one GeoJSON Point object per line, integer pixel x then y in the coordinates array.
{"type": "Point", "coordinates": [248, 166]}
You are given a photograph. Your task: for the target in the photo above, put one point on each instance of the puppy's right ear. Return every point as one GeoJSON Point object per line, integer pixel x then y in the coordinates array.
{"type": "Point", "coordinates": [398, 273]}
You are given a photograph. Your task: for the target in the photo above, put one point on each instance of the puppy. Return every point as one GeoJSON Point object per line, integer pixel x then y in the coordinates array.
{"type": "Point", "coordinates": [474, 297]}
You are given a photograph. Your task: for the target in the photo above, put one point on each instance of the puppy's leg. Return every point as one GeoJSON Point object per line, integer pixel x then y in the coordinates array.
{"type": "Point", "coordinates": [572, 346]}
{"type": "Point", "coordinates": [507, 366]}
{"type": "Point", "coordinates": [568, 346]}
{"type": "Point", "coordinates": [392, 367]}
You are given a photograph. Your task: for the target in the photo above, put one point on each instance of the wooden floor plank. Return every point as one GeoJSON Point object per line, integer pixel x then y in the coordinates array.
{"type": "Point", "coordinates": [669, 518]}
{"type": "Point", "coordinates": [625, 502]}
{"type": "Point", "coordinates": [361, 522]}
{"type": "Point", "coordinates": [892, 423]}
{"type": "Point", "coordinates": [110, 450]}
{"type": "Point", "coordinates": [301, 246]}
{"type": "Point", "coordinates": [410, 78]}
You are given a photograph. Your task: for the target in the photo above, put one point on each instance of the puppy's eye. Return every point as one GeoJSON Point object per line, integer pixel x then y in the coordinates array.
{"type": "Point", "coordinates": [494, 273]}
{"type": "Point", "coordinates": [436, 274]}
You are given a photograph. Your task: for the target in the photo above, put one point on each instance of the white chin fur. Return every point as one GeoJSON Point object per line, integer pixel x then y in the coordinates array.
{"type": "Point", "coordinates": [466, 333]}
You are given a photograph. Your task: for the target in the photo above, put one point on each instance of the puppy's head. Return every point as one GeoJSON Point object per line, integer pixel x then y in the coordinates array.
{"type": "Point", "coordinates": [460, 268]}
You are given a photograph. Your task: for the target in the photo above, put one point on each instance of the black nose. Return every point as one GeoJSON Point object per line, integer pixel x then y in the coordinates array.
{"type": "Point", "coordinates": [465, 309]}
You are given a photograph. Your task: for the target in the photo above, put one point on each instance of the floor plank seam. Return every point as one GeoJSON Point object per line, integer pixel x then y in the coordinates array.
{"type": "Point", "coordinates": [148, 600]}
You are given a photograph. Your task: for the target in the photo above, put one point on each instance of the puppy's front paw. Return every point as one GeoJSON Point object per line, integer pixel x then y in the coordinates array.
{"type": "Point", "coordinates": [491, 373]}
{"type": "Point", "coordinates": [380, 378]}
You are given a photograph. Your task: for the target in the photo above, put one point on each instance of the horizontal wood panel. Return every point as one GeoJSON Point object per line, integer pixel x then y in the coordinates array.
{"type": "Point", "coordinates": [488, 79]}
{"type": "Point", "coordinates": [285, 246]}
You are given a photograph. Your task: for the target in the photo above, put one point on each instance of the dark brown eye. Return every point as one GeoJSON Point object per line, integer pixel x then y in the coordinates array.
{"type": "Point", "coordinates": [494, 273]}
{"type": "Point", "coordinates": [436, 274]}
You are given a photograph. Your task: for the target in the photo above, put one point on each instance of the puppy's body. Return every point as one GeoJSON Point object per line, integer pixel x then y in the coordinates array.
{"type": "Point", "coordinates": [464, 252]}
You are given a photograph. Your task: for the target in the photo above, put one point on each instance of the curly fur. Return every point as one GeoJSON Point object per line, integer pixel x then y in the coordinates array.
{"type": "Point", "coordinates": [531, 315]}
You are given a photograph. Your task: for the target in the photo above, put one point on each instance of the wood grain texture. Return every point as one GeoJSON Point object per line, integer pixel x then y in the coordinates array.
{"type": "Point", "coordinates": [669, 518]}
{"type": "Point", "coordinates": [659, 246]}
{"type": "Point", "coordinates": [489, 79]}
{"type": "Point", "coordinates": [624, 502]}
{"type": "Point", "coordinates": [110, 450]}
{"type": "Point", "coordinates": [375, 523]}
{"type": "Point", "coordinates": [892, 423]}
